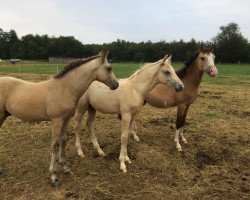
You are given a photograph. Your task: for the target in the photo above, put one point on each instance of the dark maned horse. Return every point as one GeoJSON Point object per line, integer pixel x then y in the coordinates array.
{"type": "Point", "coordinates": [54, 100]}
{"type": "Point", "coordinates": [164, 96]}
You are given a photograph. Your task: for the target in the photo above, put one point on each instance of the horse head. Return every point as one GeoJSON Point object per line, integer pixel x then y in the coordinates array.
{"type": "Point", "coordinates": [205, 61]}
{"type": "Point", "coordinates": [105, 73]}
{"type": "Point", "coordinates": [167, 74]}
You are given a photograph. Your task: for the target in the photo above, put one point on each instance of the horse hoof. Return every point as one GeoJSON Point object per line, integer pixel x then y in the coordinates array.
{"type": "Point", "coordinates": [179, 149]}
{"type": "Point", "coordinates": [102, 154]}
{"type": "Point", "coordinates": [129, 161]}
{"type": "Point", "coordinates": [55, 183]}
{"type": "Point", "coordinates": [81, 155]}
{"type": "Point", "coordinates": [2, 175]}
{"type": "Point", "coordinates": [124, 170]}
{"type": "Point", "coordinates": [66, 170]}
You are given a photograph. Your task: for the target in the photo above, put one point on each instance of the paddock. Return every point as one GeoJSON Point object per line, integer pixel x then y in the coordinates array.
{"type": "Point", "coordinates": [214, 164]}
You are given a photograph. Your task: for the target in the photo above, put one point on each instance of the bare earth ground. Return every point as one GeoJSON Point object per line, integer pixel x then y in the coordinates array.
{"type": "Point", "coordinates": [214, 165]}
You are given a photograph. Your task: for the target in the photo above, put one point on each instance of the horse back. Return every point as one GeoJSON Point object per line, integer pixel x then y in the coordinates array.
{"type": "Point", "coordinates": [6, 83]}
{"type": "Point", "coordinates": [24, 100]}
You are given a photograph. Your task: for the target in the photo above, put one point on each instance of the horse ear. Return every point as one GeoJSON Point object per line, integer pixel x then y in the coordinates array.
{"type": "Point", "coordinates": [101, 53]}
{"type": "Point", "coordinates": [105, 55]}
{"type": "Point", "coordinates": [164, 59]}
{"type": "Point", "coordinates": [212, 48]}
{"type": "Point", "coordinates": [170, 58]}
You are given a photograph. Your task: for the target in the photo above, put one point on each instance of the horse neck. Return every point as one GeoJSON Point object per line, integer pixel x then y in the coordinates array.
{"type": "Point", "coordinates": [193, 76]}
{"type": "Point", "coordinates": [145, 80]}
{"type": "Point", "coordinates": [79, 79]}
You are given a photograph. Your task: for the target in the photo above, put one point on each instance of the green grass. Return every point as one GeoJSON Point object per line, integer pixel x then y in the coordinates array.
{"type": "Point", "coordinates": [232, 74]}
{"type": "Point", "coordinates": [31, 67]}
{"type": "Point", "coordinates": [213, 115]}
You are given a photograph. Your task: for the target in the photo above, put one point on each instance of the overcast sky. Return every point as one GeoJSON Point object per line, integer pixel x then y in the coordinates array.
{"type": "Point", "coordinates": [103, 21]}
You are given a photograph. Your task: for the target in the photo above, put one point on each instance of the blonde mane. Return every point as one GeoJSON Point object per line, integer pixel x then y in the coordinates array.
{"type": "Point", "coordinates": [142, 68]}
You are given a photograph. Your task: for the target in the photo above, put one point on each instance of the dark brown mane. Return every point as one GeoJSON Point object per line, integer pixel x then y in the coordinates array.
{"type": "Point", "coordinates": [182, 72]}
{"type": "Point", "coordinates": [74, 65]}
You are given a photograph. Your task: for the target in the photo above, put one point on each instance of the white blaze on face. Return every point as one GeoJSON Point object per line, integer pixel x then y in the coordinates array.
{"type": "Point", "coordinates": [212, 70]}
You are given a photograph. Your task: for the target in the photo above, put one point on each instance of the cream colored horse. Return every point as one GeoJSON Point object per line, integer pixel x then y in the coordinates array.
{"type": "Point", "coordinates": [126, 101]}
{"type": "Point", "coordinates": [54, 100]}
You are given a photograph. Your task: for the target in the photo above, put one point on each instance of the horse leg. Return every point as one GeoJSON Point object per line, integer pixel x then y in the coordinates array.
{"type": "Point", "coordinates": [133, 130]}
{"type": "Point", "coordinates": [126, 121]}
{"type": "Point", "coordinates": [90, 127]}
{"type": "Point", "coordinates": [3, 117]}
{"type": "Point", "coordinates": [183, 139]}
{"type": "Point", "coordinates": [80, 111]}
{"type": "Point", "coordinates": [180, 122]}
{"type": "Point", "coordinates": [56, 127]}
{"type": "Point", "coordinates": [63, 141]}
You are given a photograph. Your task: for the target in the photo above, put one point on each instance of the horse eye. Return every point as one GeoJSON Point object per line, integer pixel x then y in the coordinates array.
{"type": "Point", "coordinates": [202, 58]}
{"type": "Point", "coordinates": [109, 69]}
{"type": "Point", "coordinates": [167, 72]}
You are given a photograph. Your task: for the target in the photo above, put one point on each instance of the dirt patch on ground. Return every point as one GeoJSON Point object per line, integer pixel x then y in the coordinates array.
{"type": "Point", "coordinates": [214, 163]}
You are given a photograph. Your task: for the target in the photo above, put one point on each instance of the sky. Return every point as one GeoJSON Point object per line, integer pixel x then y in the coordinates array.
{"type": "Point", "coordinates": [104, 21]}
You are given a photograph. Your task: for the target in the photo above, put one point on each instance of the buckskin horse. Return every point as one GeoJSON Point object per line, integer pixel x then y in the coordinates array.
{"type": "Point", "coordinates": [54, 100]}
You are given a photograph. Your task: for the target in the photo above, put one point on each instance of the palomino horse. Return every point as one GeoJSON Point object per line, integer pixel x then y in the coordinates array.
{"type": "Point", "coordinates": [126, 101]}
{"type": "Point", "coordinates": [163, 96]}
{"type": "Point", "coordinates": [54, 100]}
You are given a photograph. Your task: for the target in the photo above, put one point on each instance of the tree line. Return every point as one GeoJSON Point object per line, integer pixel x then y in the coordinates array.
{"type": "Point", "coordinates": [230, 46]}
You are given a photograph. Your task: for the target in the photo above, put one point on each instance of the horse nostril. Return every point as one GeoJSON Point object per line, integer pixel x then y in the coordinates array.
{"type": "Point", "coordinates": [115, 85]}
{"type": "Point", "coordinates": [179, 88]}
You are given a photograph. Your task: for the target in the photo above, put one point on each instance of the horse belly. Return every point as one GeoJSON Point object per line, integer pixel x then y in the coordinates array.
{"type": "Point", "coordinates": [31, 117]}
{"type": "Point", "coordinates": [160, 101]}
{"type": "Point", "coordinates": [107, 104]}
{"type": "Point", "coordinates": [27, 108]}
{"type": "Point", "coordinates": [27, 112]}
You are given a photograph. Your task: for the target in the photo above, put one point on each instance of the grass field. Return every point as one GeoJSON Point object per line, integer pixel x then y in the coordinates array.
{"type": "Point", "coordinates": [214, 164]}
{"type": "Point", "coordinates": [228, 73]}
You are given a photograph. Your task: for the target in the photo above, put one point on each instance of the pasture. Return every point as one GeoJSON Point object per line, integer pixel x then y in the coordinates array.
{"type": "Point", "coordinates": [214, 163]}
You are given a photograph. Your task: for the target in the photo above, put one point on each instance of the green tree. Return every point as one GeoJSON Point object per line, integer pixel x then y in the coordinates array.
{"type": "Point", "coordinates": [9, 44]}
{"type": "Point", "coordinates": [231, 45]}
{"type": "Point", "coordinates": [13, 44]}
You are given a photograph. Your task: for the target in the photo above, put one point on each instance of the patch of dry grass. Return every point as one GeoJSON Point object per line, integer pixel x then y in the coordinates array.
{"type": "Point", "coordinates": [214, 164]}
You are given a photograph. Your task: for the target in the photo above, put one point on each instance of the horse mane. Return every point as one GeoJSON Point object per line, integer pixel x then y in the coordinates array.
{"type": "Point", "coordinates": [143, 67]}
{"type": "Point", "coordinates": [74, 65]}
{"type": "Point", "coordinates": [182, 72]}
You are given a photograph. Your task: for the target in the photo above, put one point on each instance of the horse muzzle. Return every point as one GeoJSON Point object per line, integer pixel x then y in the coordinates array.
{"type": "Point", "coordinates": [178, 87]}
{"type": "Point", "coordinates": [212, 72]}
{"type": "Point", "coordinates": [114, 85]}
